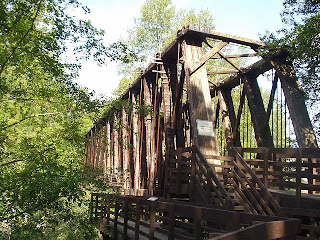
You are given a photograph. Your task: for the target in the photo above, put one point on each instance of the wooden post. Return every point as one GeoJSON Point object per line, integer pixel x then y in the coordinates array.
{"type": "Point", "coordinates": [178, 119]}
{"type": "Point", "coordinates": [199, 98]}
{"type": "Point", "coordinates": [258, 113]}
{"type": "Point", "coordinates": [311, 172]}
{"type": "Point", "coordinates": [197, 223]}
{"type": "Point", "coordinates": [168, 128]}
{"type": "Point", "coordinates": [85, 155]}
{"type": "Point", "coordinates": [152, 220]}
{"type": "Point", "coordinates": [108, 149]}
{"type": "Point", "coordinates": [235, 223]}
{"type": "Point", "coordinates": [137, 220]}
{"type": "Point", "coordinates": [111, 147]}
{"type": "Point", "coordinates": [102, 149]}
{"type": "Point", "coordinates": [166, 98]}
{"type": "Point", "coordinates": [91, 209]}
{"type": "Point", "coordinates": [154, 143]}
{"type": "Point", "coordinates": [305, 135]}
{"type": "Point", "coordinates": [115, 223]}
{"type": "Point", "coordinates": [208, 188]}
{"type": "Point", "coordinates": [94, 147]}
{"type": "Point", "coordinates": [172, 218]}
{"type": "Point", "coordinates": [298, 177]}
{"type": "Point", "coordinates": [115, 147]}
{"type": "Point", "coordinates": [125, 152]}
{"type": "Point", "coordinates": [149, 135]}
{"type": "Point", "coordinates": [227, 123]}
{"type": "Point", "coordinates": [193, 174]}
{"type": "Point", "coordinates": [98, 152]}
{"type": "Point", "coordinates": [232, 116]}
{"type": "Point", "coordinates": [130, 149]}
{"type": "Point", "coordinates": [179, 169]}
{"type": "Point", "coordinates": [125, 218]}
{"type": "Point", "coordinates": [105, 145]}
{"type": "Point", "coordinates": [136, 152]}
{"type": "Point", "coordinates": [265, 166]}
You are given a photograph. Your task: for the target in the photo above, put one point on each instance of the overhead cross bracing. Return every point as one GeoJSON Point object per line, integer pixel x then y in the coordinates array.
{"type": "Point", "coordinates": [196, 125]}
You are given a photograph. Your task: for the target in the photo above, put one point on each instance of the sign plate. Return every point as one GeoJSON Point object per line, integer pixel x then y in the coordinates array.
{"type": "Point", "coordinates": [205, 128]}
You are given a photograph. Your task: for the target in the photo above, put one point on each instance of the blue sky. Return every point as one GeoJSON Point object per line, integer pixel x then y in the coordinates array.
{"type": "Point", "coordinates": [245, 18]}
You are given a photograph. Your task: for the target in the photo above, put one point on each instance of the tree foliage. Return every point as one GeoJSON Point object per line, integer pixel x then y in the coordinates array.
{"type": "Point", "coordinates": [302, 40]}
{"type": "Point", "coordinates": [153, 30]}
{"type": "Point", "coordinates": [44, 116]}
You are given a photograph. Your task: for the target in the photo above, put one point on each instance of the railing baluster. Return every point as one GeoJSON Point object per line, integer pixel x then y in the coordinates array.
{"type": "Point", "coordinates": [171, 221]}
{"type": "Point", "coordinates": [178, 183]}
{"type": "Point", "coordinates": [137, 222]}
{"type": "Point", "coordinates": [115, 223]}
{"type": "Point", "coordinates": [152, 220]}
{"type": "Point", "coordinates": [125, 218]}
{"type": "Point", "coordinates": [265, 166]}
{"type": "Point", "coordinates": [193, 174]}
{"type": "Point", "coordinates": [298, 176]}
{"type": "Point", "coordinates": [197, 223]}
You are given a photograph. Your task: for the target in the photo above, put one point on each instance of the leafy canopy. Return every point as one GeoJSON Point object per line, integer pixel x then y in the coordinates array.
{"type": "Point", "coordinates": [153, 30]}
{"type": "Point", "coordinates": [302, 40]}
{"type": "Point", "coordinates": [44, 116]}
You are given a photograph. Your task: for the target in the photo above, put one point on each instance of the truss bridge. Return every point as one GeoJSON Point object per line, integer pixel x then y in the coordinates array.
{"type": "Point", "coordinates": [212, 141]}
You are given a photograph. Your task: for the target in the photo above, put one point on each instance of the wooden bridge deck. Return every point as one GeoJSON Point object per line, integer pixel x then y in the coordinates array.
{"type": "Point", "coordinates": [131, 217]}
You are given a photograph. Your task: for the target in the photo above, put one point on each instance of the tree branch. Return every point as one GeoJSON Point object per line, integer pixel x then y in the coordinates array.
{"type": "Point", "coordinates": [23, 37]}
{"type": "Point", "coordinates": [32, 116]}
{"type": "Point", "coordinates": [8, 163]}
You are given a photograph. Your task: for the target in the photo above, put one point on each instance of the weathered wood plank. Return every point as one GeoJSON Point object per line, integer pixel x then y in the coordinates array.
{"type": "Point", "coordinates": [149, 135]}
{"type": "Point", "coordinates": [116, 163]}
{"type": "Point", "coordinates": [236, 55]}
{"type": "Point", "coordinates": [206, 32]}
{"type": "Point", "coordinates": [108, 148]}
{"type": "Point", "coordinates": [136, 141]}
{"type": "Point", "coordinates": [258, 113]}
{"type": "Point", "coordinates": [204, 58]}
{"type": "Point", "coordinates": [125, 145]}
{"type": "Point", "coordinates": [199, 98]}
{"type": "Point", "coordinates": [295, 101]}
{"type": "Point", "coordinates": [226, 120]}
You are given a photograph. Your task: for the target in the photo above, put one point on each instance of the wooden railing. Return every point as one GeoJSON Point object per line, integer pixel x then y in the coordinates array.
{"type": "Point", "coordinates": [133, 217]}
{"type": "Point", "coordinates": [188, 169]}
{"type": "Point", "coordinates": [273, 230]}
{"type": "Point", "coordinates": [254, 190]}
{"type": "Point", "coordinates": [295, 169]}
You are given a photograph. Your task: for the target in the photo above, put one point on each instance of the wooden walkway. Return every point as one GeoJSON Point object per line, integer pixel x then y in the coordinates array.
{"type": "Point", "coordinates": [130, 217]}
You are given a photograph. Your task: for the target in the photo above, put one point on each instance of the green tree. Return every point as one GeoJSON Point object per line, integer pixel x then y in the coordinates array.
{"type": "Point", "coordinates": [302, 40]}
{"type": "Point", "coordinates": [156, 27]}
{"type": "Point", "coordinates": [44, 116]}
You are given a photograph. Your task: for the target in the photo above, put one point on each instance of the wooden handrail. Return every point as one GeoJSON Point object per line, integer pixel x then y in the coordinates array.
{"type": "Point", "coordinates": [262, 187]}
{"type": "Point", "coordinates": [288, 169]}
{"type": "Point", "coordinates": [264, 231]}
{"type": "Point", "coordinates": [212, 176]}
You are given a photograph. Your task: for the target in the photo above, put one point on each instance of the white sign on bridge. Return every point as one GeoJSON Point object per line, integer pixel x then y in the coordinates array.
{"type": "Point", "coordinates": [205, 128]}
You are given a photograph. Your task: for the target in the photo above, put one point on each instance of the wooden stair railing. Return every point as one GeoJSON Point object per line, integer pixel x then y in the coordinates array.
{"type": "Point", "coordinates": [188, 172]}
{"type": "Point", "coordinates": [207, 178]}
{"type": "Point", "coordinates": [250, 188]}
